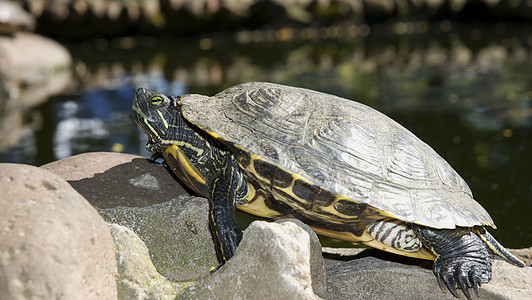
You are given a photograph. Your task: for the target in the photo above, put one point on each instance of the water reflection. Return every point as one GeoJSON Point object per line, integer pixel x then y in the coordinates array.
{"type": "Point", "coordinates": [94, 120]}
{"type": "Point", "coordinates": [100, 118]}
{"type": "Point", "coordinates": [72, 131]}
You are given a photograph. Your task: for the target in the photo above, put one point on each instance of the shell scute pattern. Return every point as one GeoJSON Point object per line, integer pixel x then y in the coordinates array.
{"type": "Point", "coordinates": [315, 167]}
{"type": "Point", "coordinates": [406, 164]}
{"type": "Point", "coordinates": [392, 199]}
{"type": "Point", "coordinates": [275, 111]}
{"type": "Point", "coordinates": [349, 143]}
{"type": "Point", "coordinates": [450, 178]}
{"type": "Point", "coordinates": [340, 146]}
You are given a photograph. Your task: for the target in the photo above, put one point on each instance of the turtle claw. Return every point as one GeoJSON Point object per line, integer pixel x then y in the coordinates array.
{"type": "Point", "coordinates": [464, 275]}
{"type": "Point", "coordinates": [440, 281]}
{"type": "Point", "coordinates": [475, 288]}
{"type": "Point", "coordinates": [475, 281]}
{"type": "Point", "coordinates": [155, 156]}
{"type": "Point", "coordinates": [464, 284]}
{"type": "Point", "coordinates": [476, 285]}
{"type": "Point", "coordinates": [213, 269]}
{"type": "Point", "coordinates": [450, 283]}
{"type": "Point", "coordinates": [468, 280]}
{"type": "Point", "coordinates": [466, 292]}
{"type": "Point", "coordinates": [445, 280]}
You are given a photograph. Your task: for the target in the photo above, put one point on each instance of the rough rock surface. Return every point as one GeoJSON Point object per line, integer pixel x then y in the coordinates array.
{"type": "Point", "coordinates": [137, 276]}
{"type": "Point", "coordinates": [176, 232]}
{"type": "Point", "coordinates": [115, 179]}
{"type": "Point", "coordinates": [317, 270]}
{"type": "Point", "coordinates": [273, 261]}
{"type": "Point", "coordinates": [509, 282]}
{"type": "Point", "coordinates": [53, 243]}
{"type": "Point", "coordinates": [377, 274]}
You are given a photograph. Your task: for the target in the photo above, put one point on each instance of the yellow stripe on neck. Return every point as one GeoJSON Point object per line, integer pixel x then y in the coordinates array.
{"type": "Point", "coordinates": [184, 169]}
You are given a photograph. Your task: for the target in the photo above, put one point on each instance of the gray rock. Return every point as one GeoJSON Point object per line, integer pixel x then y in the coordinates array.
{"type": "Point", "coordinates": [109, 179]}
{"type": "Point", "coordinates": [508, 282]}
{"type": "Point", "coordinates": [53, 243]}
{"type": "Point", "coordinates": [377, 278]}
{"type": "Point", "coordinates": [31, 78]}
{"type": "Point", "coordinates": [14, 18]}
{"type": "Point", "coordinates": [273, 261]}
{"type": "Point", "coordinates": [379, 275]}
{"type": "Point", "coordinates": [134, 192]}
{"type": "Point", "coordinates": [317, 270]}
{"type": "Point", "coordinates": [137, 276]}
{"type": "Point", "coordinates": [176, 232]}
{"type": "Point", "coordinates": [26, 80]}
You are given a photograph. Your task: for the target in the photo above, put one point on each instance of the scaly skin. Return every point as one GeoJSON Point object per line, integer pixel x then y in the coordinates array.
{"type": "Point", "coordinates": [463, 259]}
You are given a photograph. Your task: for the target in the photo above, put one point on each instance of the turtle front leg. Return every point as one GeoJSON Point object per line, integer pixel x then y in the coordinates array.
{"type": "Point", "coordinates": [462, 258]}
{"type": "Point", "coordinates": [226, 234]}
{"type": "Point", "coordinates": [226, 189]}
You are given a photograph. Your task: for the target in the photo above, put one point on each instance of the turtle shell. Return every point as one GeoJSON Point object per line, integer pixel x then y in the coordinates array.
{"type": "Point", "coordinates": [341, 146]}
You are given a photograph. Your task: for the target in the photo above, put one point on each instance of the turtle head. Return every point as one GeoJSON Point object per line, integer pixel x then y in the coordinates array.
{"type": "Point", "coordinates": [154, 113]}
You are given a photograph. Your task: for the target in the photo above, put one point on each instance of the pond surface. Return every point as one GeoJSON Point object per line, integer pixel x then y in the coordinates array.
{"type": "Point", "coordinates": [469, 96]}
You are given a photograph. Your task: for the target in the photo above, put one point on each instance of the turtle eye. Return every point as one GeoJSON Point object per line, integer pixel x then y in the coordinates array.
{"type": "Point", "coordinates": [157, 100]}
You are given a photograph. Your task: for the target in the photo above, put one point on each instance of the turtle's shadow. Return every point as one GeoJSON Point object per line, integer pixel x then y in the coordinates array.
{"type": "Point", "coordinates": [138, 183]}
{"type": "Point", "coordinates": [381, 255]}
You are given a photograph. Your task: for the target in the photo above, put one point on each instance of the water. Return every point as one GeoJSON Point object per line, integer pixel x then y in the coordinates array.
{"type": "Point", "coordinates": [470, 99]}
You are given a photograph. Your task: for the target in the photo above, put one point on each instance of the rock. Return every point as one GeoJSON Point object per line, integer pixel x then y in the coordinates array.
{"type": "Point", "coordinates": [379, 275]}
{"type": "Point", "coordinates": [134, 192]}
{"type": "Point", "coordinates": [368, 277]}
{"type": "Point", "coordinates": [317, 270]}
{"type": "Point", "coordinates": [53, 243]}
{"type": "Point", "coordinates": [13, 18]}
{"type": "Point", "coordinates": [32, 79]}
{"type": "Point", "coordinates": [273, 261]}
{"type": "Point", "coordinates": [109, 179]}
{"type": "Point", "coordinates": [176, 232]}
{"type": "Point", "coordinates": [508, 282]}
{"type": "Point", "coordinates": [26, 80]}
{"type": "Point", "coordinates": [137, 276]}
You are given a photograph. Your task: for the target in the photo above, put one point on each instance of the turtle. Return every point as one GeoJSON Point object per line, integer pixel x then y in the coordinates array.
{"type": "Point", "coordinates": [343, 168]}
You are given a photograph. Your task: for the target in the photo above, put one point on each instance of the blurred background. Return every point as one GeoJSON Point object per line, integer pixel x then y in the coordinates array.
{"type": "Point", "coordinates": [457, 73]}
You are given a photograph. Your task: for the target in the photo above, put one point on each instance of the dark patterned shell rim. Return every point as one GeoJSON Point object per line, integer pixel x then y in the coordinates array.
{"type": "Point", "coordinates": [340, 145]}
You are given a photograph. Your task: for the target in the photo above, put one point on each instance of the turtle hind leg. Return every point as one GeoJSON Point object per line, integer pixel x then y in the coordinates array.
{"type": "Point", "coordinates": [462, 258]}
{"type": "Point", "coordinates": [395, 233]}
{"type": "Point", "coordinates": [498, 249]}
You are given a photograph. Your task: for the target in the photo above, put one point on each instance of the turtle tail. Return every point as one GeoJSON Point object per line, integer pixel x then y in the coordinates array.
{"type": "Point", "coordinates": [498, 249]}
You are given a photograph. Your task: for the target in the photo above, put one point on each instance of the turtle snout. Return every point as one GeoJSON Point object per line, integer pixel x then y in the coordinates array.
{"type": "Point", "coordinates": [141, 94]}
